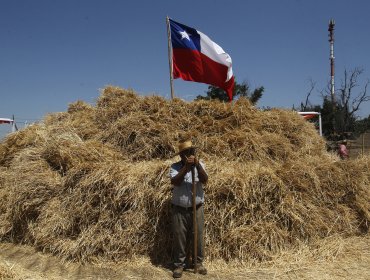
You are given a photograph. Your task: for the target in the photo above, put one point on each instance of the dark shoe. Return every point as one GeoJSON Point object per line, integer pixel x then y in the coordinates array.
{"type": "Point", "coordinates": [201, 269]}
{"type": "Point", "coordinates": [177, 273]}
{"type": "Point", "coordinates": [189, 265]}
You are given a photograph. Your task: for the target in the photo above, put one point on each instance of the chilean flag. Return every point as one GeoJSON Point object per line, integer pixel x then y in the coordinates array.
{"type": "Point", "coordinates": [197, 58]}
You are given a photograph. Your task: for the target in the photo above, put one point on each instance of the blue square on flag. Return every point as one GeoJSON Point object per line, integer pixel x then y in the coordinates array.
{"type": "Point", "coordinates": [184, 36]}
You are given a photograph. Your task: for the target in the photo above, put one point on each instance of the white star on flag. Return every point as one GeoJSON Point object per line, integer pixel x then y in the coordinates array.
{"type": "Point", "coordinates": [184, 35]}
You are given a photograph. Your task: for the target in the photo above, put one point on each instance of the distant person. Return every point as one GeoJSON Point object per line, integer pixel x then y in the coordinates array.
{"type": "Point", "coordinates": [182, 208]}
{"type": "Point", "coordinates": [342, 150]}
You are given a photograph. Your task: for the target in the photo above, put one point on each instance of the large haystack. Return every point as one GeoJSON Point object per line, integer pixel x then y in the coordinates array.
{"type": "Point", "coordinates": [93, 182]}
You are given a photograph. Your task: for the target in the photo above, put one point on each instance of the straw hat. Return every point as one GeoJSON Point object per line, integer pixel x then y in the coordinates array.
{"type": "Point", "coordinates": [184, 145]}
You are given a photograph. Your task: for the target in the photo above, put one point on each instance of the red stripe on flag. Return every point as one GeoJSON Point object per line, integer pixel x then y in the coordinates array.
{"type": "Point", "coordinates": [194, 66]}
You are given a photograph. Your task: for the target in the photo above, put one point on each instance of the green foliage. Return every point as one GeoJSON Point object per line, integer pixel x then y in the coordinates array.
{"type": "Point", "coordinates": [362, 125]}
{"type": "Point", "coordinates": [239, 90]}
{"type": "Point", "coordinates": [345, 123]}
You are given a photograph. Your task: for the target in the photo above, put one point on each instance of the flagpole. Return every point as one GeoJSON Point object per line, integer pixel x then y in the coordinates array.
{"type": "Point", "coordinates": [170, 55]}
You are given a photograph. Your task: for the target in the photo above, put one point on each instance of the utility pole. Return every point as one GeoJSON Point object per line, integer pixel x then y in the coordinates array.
{"type": "Point", "coordinates": [332, 88]}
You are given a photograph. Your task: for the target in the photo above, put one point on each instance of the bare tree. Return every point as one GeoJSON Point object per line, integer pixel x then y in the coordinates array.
{"type": "Point", "coordinates": [307, 104]}
{"type": "Point", "coordinates": [340, 117]}
{"type": "Point", "coordinates": [350, 99]}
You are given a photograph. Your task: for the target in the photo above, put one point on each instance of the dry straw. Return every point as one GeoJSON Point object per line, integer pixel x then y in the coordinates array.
{"type": "Point", "coordinates": [6, 272]}
{"type": "Point", "coordinates": [93, 182]}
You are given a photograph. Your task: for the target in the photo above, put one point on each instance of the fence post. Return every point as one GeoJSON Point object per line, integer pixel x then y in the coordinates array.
{"type": "Point", "coordinates": [363, 144]}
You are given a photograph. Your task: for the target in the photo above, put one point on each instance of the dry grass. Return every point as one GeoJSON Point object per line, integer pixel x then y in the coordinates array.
{"type": "Point", "coordinates": [330, 258]}
{"type": "Point", "coordinates": [92, 183]}
{"type": "Point", "coordinates": [6, 272]}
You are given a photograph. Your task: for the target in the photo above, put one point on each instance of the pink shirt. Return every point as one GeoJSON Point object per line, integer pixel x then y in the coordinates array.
{"type": "Point", "coordinates": [343, 152]}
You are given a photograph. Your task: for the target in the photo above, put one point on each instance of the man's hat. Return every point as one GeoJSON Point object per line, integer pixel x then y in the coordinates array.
{"type": "Point", "coordinates": [185, 145]}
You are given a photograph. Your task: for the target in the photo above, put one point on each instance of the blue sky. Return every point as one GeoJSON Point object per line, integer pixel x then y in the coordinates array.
{"type": "Point", "coordinates": [53, 53]}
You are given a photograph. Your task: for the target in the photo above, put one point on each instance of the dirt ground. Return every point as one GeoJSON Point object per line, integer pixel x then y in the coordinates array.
{"type": "Point", "coordinates": [335, 258]}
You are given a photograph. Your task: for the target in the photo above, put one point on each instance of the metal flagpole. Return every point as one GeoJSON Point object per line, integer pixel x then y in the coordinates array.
{"type": "Point", "coordinates": [332, 89]}
{"type": "Point", "coordinates": [170, 55]}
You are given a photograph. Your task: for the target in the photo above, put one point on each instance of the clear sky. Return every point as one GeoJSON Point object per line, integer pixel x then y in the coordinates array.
{"type": "Point", "coordinates": [54, 52]}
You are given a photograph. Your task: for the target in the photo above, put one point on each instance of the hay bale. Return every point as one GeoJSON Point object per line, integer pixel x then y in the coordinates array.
{"type": "Point", "coordinates": [6, 272]}
{"type": "Point", "coordinates": [26, 185]}
{"type": "Point", "coordinates": [31, 136]}
{"type": "Point", "coordinates": [93, 182]}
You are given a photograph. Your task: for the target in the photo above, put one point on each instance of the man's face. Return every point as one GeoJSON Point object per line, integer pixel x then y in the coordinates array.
{"type": "Point", "coordinates": [187, 153]}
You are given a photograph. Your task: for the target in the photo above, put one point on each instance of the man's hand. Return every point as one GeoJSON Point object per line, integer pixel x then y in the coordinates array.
{"type": "Point", "coordinates": [191, 161]}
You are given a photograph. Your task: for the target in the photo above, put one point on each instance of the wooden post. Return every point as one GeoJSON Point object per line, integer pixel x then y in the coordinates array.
{"type": "Point", "coordinates": [195, 226]}
{"type": "Point", "coordinates": [170, 56]}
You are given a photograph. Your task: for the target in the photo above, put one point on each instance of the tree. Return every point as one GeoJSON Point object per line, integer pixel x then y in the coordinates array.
{"type": "Point", "coordinates": [307, 106]}
{"type": "Point", "coordinates": [362, 125]}
{"type": "Point", "coordinates": [349, 102]}
{"type": "Point", "coordinates": [341, 119]}
{"type": "Point", "coordinates": [239, 90]}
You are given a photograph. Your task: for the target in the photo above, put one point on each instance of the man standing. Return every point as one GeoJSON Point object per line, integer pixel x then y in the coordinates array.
{"type": "Point", "coordinates": [342, 150]}
{"type": "Point", "coordinates": [182, 207]}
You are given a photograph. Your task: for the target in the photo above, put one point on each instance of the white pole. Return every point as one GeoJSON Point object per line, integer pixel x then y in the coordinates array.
{"type": "Point", "coordinates": [13, 125]}
{"type": "Point", "coordinates": [332, 89]}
